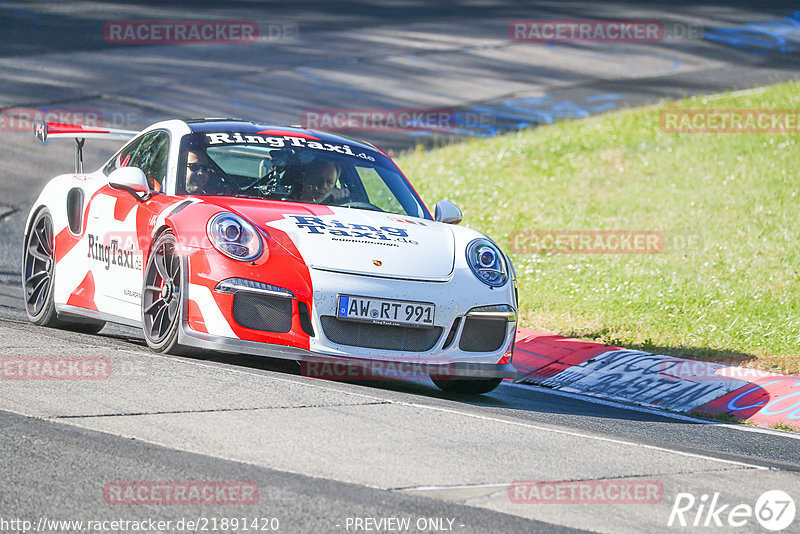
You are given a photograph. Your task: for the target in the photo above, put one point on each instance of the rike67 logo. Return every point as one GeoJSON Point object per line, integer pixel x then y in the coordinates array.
{"type": "Point", "coordinates": [774, 510]}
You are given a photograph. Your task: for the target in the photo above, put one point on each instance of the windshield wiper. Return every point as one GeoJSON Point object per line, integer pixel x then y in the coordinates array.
{"type": "Point", "coordinates": [361, 206]}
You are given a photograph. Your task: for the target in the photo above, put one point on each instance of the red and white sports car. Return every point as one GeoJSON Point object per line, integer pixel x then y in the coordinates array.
{"type": "Point", "coordinates": [232, 236]}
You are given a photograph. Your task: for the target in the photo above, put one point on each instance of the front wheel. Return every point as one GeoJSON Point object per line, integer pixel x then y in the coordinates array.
{"type": "Point", "coordinates": [470, 386]}
{"type": "Point", "coordinates": [161, 296]}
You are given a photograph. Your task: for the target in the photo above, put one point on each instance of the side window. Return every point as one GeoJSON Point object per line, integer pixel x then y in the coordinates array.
{"type": "Point", "coordinates": [151, 158]}
{"type": "Point", "coordinates": [124, 157]}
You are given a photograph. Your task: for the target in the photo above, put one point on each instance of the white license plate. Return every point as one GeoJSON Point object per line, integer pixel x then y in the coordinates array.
{"type": "Point", "coordinates": [385, 311]}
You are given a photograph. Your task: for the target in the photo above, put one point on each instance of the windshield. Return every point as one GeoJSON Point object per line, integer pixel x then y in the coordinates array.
{"type": "Point", "coordinates": [293, 169]}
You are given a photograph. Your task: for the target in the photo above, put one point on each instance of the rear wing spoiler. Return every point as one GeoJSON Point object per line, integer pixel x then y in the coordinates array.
{"type": "Point", "coordinates": [52, 130]}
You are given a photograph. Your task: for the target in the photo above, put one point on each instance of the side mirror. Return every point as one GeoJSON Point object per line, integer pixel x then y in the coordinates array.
{"type": "Point", "coordinates": [447, 212]}
{"type": "Point", "coordinates": [132, 180]}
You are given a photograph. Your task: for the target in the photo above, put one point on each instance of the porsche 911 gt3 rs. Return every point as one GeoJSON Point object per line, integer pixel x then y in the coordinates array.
{"type": "Point", "coordinates": [227, 235]}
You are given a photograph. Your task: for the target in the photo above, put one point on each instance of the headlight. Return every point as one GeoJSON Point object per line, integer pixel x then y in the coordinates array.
{"type": "Point", "coordinates": [234, 237]}
{"type": "Point", "coordinates": [487, 262]}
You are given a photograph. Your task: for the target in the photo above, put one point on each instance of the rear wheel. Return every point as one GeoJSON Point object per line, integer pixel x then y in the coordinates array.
{"type": "Point", "coordinates": [162, 296]}
{"type": "Point", "coordinates": [38, 273]}
{"type": "Point", "coordinates": [38, 267]}
{"type": "Point", "coordinates": [470, 386]}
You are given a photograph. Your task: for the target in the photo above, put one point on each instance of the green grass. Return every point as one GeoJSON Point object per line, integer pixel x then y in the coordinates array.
{"type": "Point", "coordinates": [728, 418]}
{"type": "Point", "coordinates": [782, 426]}
{"type": "Point", "coordinates": [732, 296]}
{"type": "Point", "coordinates": [722, 417]}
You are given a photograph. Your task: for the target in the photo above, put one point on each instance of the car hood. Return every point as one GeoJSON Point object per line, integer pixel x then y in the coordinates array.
{"type": "Point", "coordinates": [357, 241]}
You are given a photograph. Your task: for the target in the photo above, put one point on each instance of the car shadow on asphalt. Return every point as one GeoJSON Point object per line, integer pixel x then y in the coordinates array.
{"type": "Point", "coordinates": [507, 396]}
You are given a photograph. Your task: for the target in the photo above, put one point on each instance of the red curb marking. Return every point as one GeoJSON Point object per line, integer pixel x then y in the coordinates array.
{"type": "Point", "coordinates": [539, 355]}
{"type": "Point", "coordinates": [766, 401]}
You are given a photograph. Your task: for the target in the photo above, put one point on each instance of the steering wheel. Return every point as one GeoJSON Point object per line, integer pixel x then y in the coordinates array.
{"type": "Point", "coordinates": [218, 184]}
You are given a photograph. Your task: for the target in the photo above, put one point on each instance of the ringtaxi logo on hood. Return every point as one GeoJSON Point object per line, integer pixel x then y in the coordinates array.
{"type": "Point", "coordinates": [389, 235]}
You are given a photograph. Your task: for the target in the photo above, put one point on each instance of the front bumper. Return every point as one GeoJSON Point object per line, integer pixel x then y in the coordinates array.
{"type": "Point", "coordinates": [454, 298]}
{"type": "Point", "coordinates": [454, 370]}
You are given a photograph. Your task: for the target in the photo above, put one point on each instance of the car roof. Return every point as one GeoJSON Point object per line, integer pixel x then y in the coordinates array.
{"type": "Point", "coordinates": [253, 128]}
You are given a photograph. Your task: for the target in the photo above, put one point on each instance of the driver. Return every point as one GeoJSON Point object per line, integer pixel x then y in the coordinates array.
{"type": "Point", "coordinates": [201, 176]}
{"type": "Point", "coordinates": [319, 184]}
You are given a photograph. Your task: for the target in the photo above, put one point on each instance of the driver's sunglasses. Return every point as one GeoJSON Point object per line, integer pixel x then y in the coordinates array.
{"type": "Point", "coordinates": [197, 167]}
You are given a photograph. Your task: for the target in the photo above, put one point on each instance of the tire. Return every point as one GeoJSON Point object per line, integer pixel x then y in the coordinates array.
{"type": "Point", "coordinates": [470, 386]}
{"type": "Point", "coordinates": [38, 269]}
{"type": "Point", "coordinates": [38, 274]}
{"type": "Point", "coordinates": [162, 295]}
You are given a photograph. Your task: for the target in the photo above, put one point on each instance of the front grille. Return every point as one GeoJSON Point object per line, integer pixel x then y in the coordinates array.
{"type": "Point", "coordinates": [380, 336]}
{"type": "Point", "coordinates": [483, 335]}
{"type": "Point", "coordinates": [262, 312]}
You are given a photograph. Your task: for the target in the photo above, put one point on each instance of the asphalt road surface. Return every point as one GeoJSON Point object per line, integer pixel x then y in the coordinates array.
{"type": "Point", "coordinates": [331, 456]}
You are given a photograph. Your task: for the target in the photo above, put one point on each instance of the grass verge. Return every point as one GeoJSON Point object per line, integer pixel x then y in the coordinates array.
{"type": "Point", "coordinates": [725, 285]}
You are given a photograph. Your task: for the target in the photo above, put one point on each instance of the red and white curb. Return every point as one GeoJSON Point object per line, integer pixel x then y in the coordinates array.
{"type": "Point", "coordinates": [656, 381]}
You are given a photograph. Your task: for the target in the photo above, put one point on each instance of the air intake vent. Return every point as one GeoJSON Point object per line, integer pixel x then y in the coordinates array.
{"type": "Point", "coordinates": [379, 336]}
{"type": "Point", "coordinates": [262, 312]}
{"type": "Point", "coordinates": [451, 336]}
{"type": "Point", "coordinates": [483, 335]}
{"type": "Point", "coordinates": [305, 318]}
{"type": "Point", "coordinates": [75, 210]}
